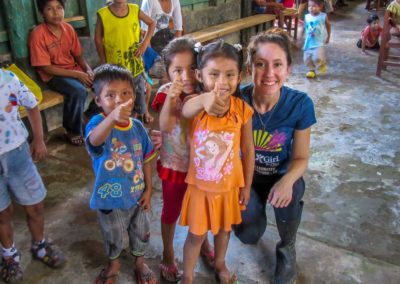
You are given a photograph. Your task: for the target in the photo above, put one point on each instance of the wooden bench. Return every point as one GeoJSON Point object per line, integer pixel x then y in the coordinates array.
{"type": "Point", "coordinates": [220, 30]}
{"type": "Point", "coordinates": [50, 99]}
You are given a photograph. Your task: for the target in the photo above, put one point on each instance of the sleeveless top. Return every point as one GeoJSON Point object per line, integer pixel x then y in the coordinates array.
{"type": "Point", "coordinates": [122, 37]}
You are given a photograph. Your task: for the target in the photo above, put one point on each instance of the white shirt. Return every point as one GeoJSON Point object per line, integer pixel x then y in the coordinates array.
{"type": "Point", "coordinates": [13, 93]}
{"type": "Point", "coordinates": [153, 9]}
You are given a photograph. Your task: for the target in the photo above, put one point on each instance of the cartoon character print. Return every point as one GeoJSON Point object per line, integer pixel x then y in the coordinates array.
{"type": "Point", "coordinates": [12, 102]}
{"type": "Point", "coordinates": [311, 28]}
{"type": "Point", "coordinates": [120, 157]}
{"type": "Point", "coordinates": [213, 155]}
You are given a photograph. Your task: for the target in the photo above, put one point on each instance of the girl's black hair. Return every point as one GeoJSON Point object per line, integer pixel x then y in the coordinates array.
{"type": "Point", "coordinates": [218, 49]}
{"type": "Point", "coordinates": [274, 35]}
{"type": "Point", "coordinates": [372, 18]}
{"type": "Point", "coordinates": [177, 45]}
{"type": "Point", "coordinates": [107, 73]}
{"type": "Point", "coordinates": [42, 3]}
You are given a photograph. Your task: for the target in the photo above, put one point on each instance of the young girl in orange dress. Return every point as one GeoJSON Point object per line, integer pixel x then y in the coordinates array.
{"type": "Point", "coordinates": [221, 159]}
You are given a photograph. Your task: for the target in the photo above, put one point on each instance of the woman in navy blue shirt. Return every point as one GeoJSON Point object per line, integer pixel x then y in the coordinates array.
{"type": "Point", "coordinates": [282, 123]}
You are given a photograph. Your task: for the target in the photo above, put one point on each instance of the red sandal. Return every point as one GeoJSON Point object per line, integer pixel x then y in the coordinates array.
{"type": "Point", "coordinates": [170, 272]}
{"type": "Point", "coordinates": [208, 258]}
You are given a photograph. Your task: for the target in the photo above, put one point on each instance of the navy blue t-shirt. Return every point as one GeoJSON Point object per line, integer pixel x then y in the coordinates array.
{"type": "Point", "coordinates": [273, 145]}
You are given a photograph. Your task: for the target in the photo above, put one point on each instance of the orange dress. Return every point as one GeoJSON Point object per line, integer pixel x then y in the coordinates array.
{"type": "Point", "coordinates": [215, 175]}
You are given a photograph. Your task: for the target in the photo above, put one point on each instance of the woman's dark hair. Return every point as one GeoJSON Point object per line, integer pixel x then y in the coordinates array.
{"type": "Point", "coordinates": [107, 73]}
{"type": "Point", "coordinates": [372, 18]}
{"type": "Point", "coordinates": [177, 45]}
{"type": "Point", "coordinates": [274, 35]}
{"type": "Point", "coordinates": [42, 3]}
{"type": "Point", "coordinates": [218, 49]}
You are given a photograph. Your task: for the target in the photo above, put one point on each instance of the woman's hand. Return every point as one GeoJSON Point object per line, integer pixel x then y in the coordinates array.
{"type": "Point", "coordinates": [281, 193]}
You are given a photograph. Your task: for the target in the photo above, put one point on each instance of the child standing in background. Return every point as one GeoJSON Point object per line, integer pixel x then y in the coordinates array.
{"type": "Point", "coordinates": [221, 160]}
{"type": "Point", "coordinates": [117, 38]}
{"type": "Point", "coordinates": [370, 35]}
{"type": "Point", "coordinates": [121, 152]}
{"type": "Point", "coordinates": [315, 24]}
{"type": "Point", "coordinates": [394, 9]}
{"type": "Point", "coordinates": [180, 62]}
{"type": "Point", "coordinates": [19, 178]}
{"type": "Point", "coordinates": [56, 52]}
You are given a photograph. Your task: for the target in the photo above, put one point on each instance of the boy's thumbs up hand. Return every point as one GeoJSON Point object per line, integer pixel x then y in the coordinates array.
{"type": "Point", "coordinates": [122, 113]}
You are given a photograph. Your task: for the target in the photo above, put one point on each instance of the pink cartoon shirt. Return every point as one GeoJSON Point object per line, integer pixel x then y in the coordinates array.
{"type": "Point", "coordinates": [215, 164]}
{"type": "Point", "coordinates": [13, 93]}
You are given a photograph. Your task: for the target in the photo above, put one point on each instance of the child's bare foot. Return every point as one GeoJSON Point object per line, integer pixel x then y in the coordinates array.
{"type": "Point", "coordinates": [107, 276]}
{"type": "Point", "coordinates": [143, 274]}
{"type": "Point", "coordinates": [222, 275]}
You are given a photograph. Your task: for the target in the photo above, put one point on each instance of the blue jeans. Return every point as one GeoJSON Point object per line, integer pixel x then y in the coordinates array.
{"type": "Point", "coordinates": [255, 218]}
{"type": "Point", "coordinates": [75, 94]}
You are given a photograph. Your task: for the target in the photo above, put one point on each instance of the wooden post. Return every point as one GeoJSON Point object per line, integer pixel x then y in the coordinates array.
{"type": "Point", "coordinates": [19, 20]}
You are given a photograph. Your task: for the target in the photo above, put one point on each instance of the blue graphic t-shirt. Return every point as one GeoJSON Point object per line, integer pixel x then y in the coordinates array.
{"type": "Point", "coordinates": [314, 27]}
{"type": "Point", "coordinates": [118, 164]}
{"type": "Point", "coordinates": [293, 111]}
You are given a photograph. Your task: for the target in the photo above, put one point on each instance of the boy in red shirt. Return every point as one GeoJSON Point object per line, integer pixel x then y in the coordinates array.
{"type": "Point", "coordinates": [370, 35]}
{"type": "Point", "coordinates": [57, 54]}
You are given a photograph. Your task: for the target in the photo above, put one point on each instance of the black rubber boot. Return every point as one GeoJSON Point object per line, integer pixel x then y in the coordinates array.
{"type": "Point", "coordinates": [286, 271]}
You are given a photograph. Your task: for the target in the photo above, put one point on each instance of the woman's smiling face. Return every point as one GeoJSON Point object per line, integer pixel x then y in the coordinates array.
{"type": "Point", "coordinates": [269, 69]}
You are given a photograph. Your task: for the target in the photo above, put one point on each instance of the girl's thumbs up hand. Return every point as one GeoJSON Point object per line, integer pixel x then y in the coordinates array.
{"type": "Point", "coordinates": [122, 113]}
{"type": "Point", "coordinates": [213, 103]}
{"type": "Point", "coordinates": [176, 88]}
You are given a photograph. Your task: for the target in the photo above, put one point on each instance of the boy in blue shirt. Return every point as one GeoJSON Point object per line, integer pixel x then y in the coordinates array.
{"type": "Point", "coordinates": [315, 24]}
{"type": "Point", "coordinates": [121, 150]}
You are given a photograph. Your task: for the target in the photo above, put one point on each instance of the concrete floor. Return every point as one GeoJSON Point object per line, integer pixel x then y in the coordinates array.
{"type": "Point", "coordinates": [350, 231]}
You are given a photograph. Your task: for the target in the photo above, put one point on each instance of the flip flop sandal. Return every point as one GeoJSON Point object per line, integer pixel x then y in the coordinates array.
{"type": "Point", "coordinates": [11, 271]}
{"type": "Point", "coordinates": [103, 278]}
{"type": "Point", "coordinates": [147, 277]}
{"type": "Point", "coordinates": [53, 258]}
{"type": "Point", "coordinates": [76, 140]}
{"type": "Point", "coordinates": [208, 258]}
{"type": "Point", "coordinates": [170, 272]}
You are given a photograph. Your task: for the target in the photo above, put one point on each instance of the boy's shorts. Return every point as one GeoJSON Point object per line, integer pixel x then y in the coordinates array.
{"type": "Point", "coordinates": [314, 57]}
{"type": "Point", "coordinates": [115, 223]}
{"type": "Point", "coordinates": [19, 178]}
{"type": "Point", "coordinates": [140, 92]}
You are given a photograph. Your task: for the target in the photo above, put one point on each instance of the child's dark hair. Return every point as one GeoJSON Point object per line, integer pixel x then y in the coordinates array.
{"type": "Point", "coordinates": [107, 73]}
{"type": "Point", "coordinates": [318, 2]}
{"type": "Point", "coordinates": [42, 3]}
{"type": "Point", "coordinates": [178, 45]}
{"type": "Point", "coordinates": [372, 18]}
{"type": "Point", "coordinates": [274, 35]}
{"type": "Point", "coordinates": [218, 49]}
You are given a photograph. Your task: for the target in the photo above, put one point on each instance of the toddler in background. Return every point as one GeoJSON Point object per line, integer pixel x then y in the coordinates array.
{"type": "Point", "coordinates": [315, 24]}
{"type": "Point", "coordinates": [370, 35]}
